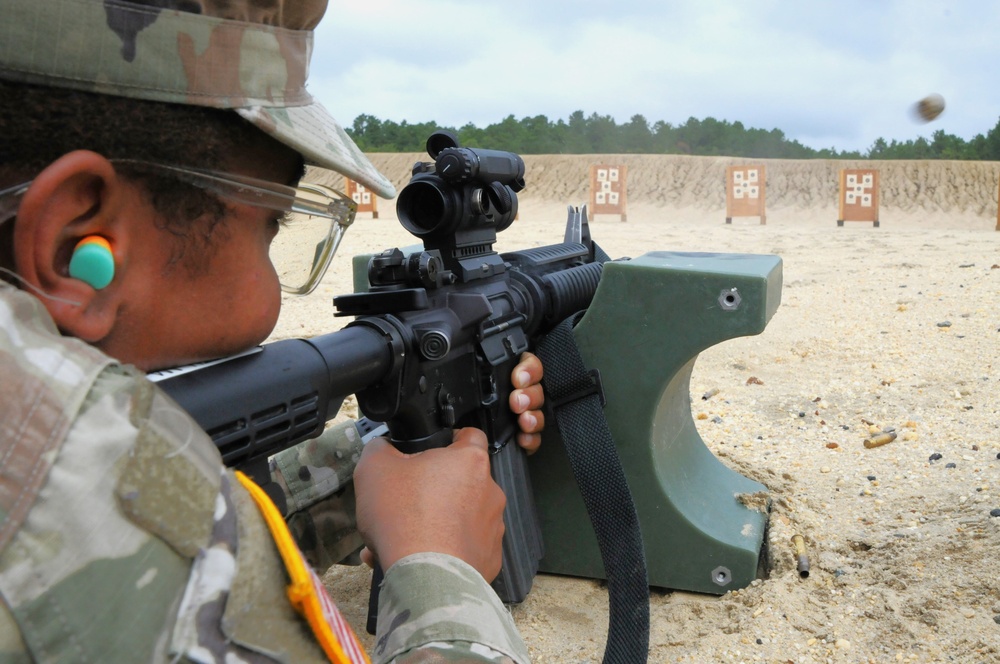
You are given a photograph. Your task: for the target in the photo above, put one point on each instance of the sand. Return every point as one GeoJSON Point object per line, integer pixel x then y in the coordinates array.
{"type": "Point", "coordinates": [890, 327]}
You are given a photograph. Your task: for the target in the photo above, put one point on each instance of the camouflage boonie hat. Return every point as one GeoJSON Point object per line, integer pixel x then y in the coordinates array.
{"type": "Point", "coordinates": [251, 56]}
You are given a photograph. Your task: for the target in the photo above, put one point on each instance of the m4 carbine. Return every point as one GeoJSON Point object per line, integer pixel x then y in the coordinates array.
{"type": "Point", "coordinates": [432, 347]}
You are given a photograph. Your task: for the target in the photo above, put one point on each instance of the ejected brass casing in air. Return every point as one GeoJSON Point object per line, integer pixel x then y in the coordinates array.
{"type": "Point", "coordinates": [880, 439]}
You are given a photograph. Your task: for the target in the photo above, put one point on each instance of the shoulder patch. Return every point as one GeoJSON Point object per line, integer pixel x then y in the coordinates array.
{"type": "Point", "coordinates": [305, 591]}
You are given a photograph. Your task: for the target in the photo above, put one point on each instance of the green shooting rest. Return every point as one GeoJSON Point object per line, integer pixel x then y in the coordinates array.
{"type": "Point", "coordinates": [650, 318]}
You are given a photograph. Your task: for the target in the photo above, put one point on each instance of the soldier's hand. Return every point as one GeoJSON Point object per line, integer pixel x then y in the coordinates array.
{"type": "Point", "coordinates": [440, 500]}
{"type": "Point", "coordinates": [526, 401]}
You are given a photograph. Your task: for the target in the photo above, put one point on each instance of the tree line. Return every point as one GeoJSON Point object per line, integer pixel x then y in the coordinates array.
{"type": "Point", "coordinates": [601, 134]}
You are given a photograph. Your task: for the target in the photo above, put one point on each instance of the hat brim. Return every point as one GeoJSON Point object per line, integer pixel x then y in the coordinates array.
{"type": "Point", "coordinates": [311, 131]}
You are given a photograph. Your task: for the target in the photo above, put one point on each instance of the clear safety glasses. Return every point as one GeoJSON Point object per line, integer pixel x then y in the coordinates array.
{"type": "Point", "coordinates": [313, 221]}
{"type": "Point", "coordinates": [10, 199]}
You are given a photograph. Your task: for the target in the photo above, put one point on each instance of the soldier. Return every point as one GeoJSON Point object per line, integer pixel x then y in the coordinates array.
{"type": "Point", "coordinates": [131, 239]}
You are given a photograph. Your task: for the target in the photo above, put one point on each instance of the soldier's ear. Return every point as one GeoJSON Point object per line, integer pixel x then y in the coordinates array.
{"type": "Point", "coordinates": [76, 196]}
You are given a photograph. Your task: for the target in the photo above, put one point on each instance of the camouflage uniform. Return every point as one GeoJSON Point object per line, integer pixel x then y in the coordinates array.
{"type": "Point", "coordinates": [316, 477]}
{"type": "Point", "coordinates": [122, 536]}
{"type": "Point", "coordinates": [124, 539]}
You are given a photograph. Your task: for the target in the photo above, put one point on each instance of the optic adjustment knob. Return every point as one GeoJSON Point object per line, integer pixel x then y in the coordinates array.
{"type": "Point", "coordinates": [454, 165]}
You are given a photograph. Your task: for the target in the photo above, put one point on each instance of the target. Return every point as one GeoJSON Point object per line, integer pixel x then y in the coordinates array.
{"type": "Point", "coordinates": [608, 190]}
{"type": "Point", "coordinates": [858, 195]}
{"type": "Point", "coordinates": [362, 197]}
{"type": "Point", "coordinates": [745, 192]}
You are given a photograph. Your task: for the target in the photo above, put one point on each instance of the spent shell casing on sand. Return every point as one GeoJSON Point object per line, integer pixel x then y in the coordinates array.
{"type": "Point", "coordinates": [881, 439]}
{"type": "Point", "coordinates": [711, 393]}
{"type": "Point", "coordinates": [802, 560]}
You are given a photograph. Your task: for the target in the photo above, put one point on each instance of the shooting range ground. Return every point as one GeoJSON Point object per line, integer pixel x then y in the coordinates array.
{"type": "Point", "coordinates": [896, 327]}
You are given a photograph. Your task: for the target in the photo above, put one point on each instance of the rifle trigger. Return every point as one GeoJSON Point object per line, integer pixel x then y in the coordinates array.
{"type": "Point", "coordinates": [446, 409]}
{"type": "Point", "coordinates": [583, 389]}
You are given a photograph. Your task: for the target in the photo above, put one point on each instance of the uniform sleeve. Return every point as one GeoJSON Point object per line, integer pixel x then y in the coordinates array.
{"type": "Point", "coordinates": [141, 546]}
{"type": "Point", "coordinates": [435, 607]}
{"type": "Point", "coordinates": [316, 469]}
{"type": "Point", "coordinates": [316, 477]}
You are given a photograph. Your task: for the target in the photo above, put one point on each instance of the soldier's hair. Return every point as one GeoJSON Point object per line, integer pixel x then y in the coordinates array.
{"type": "Point", "coordinates": [39, 124]}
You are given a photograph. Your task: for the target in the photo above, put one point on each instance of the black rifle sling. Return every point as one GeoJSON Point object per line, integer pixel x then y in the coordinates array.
{"type": "Point", "coordinates": [577, 401]}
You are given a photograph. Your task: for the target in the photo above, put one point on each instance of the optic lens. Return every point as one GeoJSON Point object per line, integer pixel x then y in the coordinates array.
{"type": "Point", "coordinates": [423, 208]}
{"type": "Point", "coordinates": [299, 247]}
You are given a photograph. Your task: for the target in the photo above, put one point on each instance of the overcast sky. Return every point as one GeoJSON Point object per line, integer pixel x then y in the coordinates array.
{"type": "Point", "coordinates": [828, 74]}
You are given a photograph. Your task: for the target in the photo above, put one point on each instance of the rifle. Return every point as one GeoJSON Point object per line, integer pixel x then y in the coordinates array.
{"type": "Point", "coordinates": [436, 337]}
